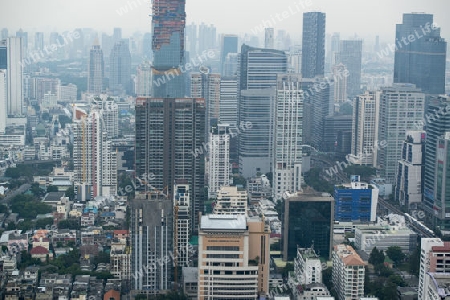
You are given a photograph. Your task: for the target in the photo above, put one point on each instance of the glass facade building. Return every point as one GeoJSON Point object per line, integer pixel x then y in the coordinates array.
{"type": "Point", "coordinates": [313, 44]}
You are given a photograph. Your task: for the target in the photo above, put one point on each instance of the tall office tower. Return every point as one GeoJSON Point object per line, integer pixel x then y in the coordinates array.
{"type": "Point", "coordinates": [170, 135]}
{"type": "Point", "coordinates": [207, 86]}
{"type": "Point", "coordinates": [4, 33]}
{"type": "Point", "coordinates": [107, 45]}
{"type": "Point", "coordinates": [14, 76]}
{"type": "Point", "coordinates": [229, 45]}
{"type": "Point", "coordinates": [340, 85]}
{"type": "Point", "coordinates": [437, 123]}
{"type": "Point", "coordinates": [434, 261]}
{"type": "Point", "coordinates": [308, 219]}
{"type": "Point", "coordinates": [313, 44]}
{"type": "Point", "coordinates": [182, 221]}
{"type": "Point", "coordinates": [233, 258]}
{"type": "Point", "coordinates": [144, 79]}
{"type": "Point", "coordinates": [257, 82]}
{"type": "Point", "coordinates": [39, 41]}
{"type": "Point", "coordinates": [152, 244]}
{"type": "Point", "coordinates": [409, 184]}
{"type": "Point", "coordinates": [230, 66]}
{"type": "Point", "coordinates": [287, 128]}
{"type": "Point", "coordinates": [350, 55]}
{"type": "Point", "coordinates": [95, 162]}
{"type": "Point", "coordinates": [318, 104]}
{"type": "Point", "coordinates": [219, 168]}
{"type": "Point", "coordinates": [337, 134]}
{"type": "Point", "coordinates": [366, 114]}
{"type": "Point", "coordinates": [401, 108]}
{"type": "Point", "coordinates": [147, 46]}
{"type": "Point", "coordinates": [110, 116]}
{"type": "Point", "coordinates": [24, 35]}
{"type": "Point", "coordinates": [228, 103]}
{"type": "Point", "coordinates": [117, 35]}
{"type": "Point", "coordinates": [168, 21]}
{"type": "Point", "coordinates": [420, 61]}
{"type": "Point", "coordinates": [442, 184]}
{"type": "Point", "coordinates": [334, 49]}
{"type": "Point", "coordinates": [96, 69]}
{"type": "Point", "coordinates": [206, 37]}
{"type": "Point", "coordinates": [269, 38]}
{"type": "Point", "coordinates": [348, 273]}
{"type": "Point", "coordinates": [120, 69]}
{"type": "Point", "coordinates": [191, 39]}
{"type": "Point", "coordinates": [3, 97]}
{"type": "Point", "coordinates": [230, 200]}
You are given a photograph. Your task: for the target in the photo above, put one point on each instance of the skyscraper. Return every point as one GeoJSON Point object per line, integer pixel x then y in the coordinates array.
{"type": "Point", "coordinates": [269, 38]}
{"type": "Point", "coordinates": [96, 69]}
{"type": "Point", "coordinates": [350, 55]}
{"type": "Point", "coordinates": [3, 114]}
{"type": "Point", "coordinates": [229, 45]}
{"type": "Point", "coordinates": [313, 44]}
{"type": "Point", "coordinates": [340, 85]}
{"type": "Point", "coordinates": [191, 39]}
{"type": "Point", "coordinates": [170, 134]}
{"type": "Point", "coordinates": [144, 79]}
{"type": "Point", "coordinates": [39, 41]}
{"type": "Point", "coordinates": [206, 37]}
{"type": "Point", "coordinates": [420, 61]}
{"type": "Point", "coordinates": [401, 108]}
{"type": "Point", "coordinates": [120, 69]}
{"type": "Point", "coordinates": [168, 22]}
{"type": "Point", "coordinates": [24, 35]}
{"type": "Point", "coordinates": [152, 244]}
{"type": "Point", "coordinates": [14, 76]}
{"type": "Point", "coordinates": [258, 79]}
{"type": "Point", "coordinates": [182, 219]}
{"type": "Point", "coordinates": [228, 101]}
{"type": "Point", "coordinates": [366, 113]}
{"type": "Point", "coordinates": [219, 159]}
{"type": "Point", "coordinates": [287, 124]}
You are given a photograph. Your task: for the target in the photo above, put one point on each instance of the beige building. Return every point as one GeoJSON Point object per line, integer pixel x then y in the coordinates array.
{"type": "Point", "coordinates": [231, 201]}
{"type": "Point", "coordinates": [233, 257]}
{"type": "Point", "coordinates": [348, 273]}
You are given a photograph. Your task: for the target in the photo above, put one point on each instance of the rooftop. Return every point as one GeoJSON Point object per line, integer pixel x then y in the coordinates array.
{"type": "Point", "coordinates": [223, 222]}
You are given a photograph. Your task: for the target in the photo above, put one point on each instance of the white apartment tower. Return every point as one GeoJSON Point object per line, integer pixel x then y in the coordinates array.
{"type": "Point", "coordinates": [219, 159]}
{"type": "Point", "coordinates": [348, 273]}
{"type": "Point", "coordinates": [231, 201]}
{"type": "Point", "coordinates": [182, 224]}
{"type": "Point", "coordinates": [408, 187]}
{"type": "Point", "coordinates": [110, 115]}
{"type": "Point", "coordinates": [307, 266]}
{"type": "Point", "coordinates": [14, 76]}
{"type": "Point", "coordinates": [95, 162]}
{"type": "Point", "coordinates": [287, 144]}
{"type": "Point", "coordinates": [401, 109]}
{"type": "Point", "coordinates": [144, 79]}
{"type": "Point", "coordinates": [366, 111]}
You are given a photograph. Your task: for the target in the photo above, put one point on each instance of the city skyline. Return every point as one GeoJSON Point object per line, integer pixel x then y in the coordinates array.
{"type": "Point", "coordinates": [133, 15]}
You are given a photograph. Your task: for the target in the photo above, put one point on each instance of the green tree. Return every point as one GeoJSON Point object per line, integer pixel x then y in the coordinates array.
{"type": "Point", "coordinates": [52, 188]}
{"type": "Point", "coordinates": [376, 256]}
{"type": "Point", "coordinates": [389, 291]}
{"type": "Point", "coordinates": [414, 262]}
{"type": "Point", "coordinates": [395, 253]}
{"type": "Point", "coordinates": [71, 223]}
{"type": "Point", "coordinates": [70, 192]}
{"type": "Point", "coordinates": [3, 209]}
{"type": "Point", "coordinates": [44, 223]}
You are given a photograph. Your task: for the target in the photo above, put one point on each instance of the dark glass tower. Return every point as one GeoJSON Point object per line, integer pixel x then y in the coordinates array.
{"type": "Point", "coordinates": [313, 44]}
{"type": "Point", "coordinates": [168, 24]}
{"type": "Point", "coordinates": [420, 53]}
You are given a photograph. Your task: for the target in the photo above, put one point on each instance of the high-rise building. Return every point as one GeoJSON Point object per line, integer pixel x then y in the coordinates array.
{"type": "Point", "coordinates": [168, 22]}
{"type": "Point", "coordinates": [117, 34]}
{"type": "Point", "coordinates": [207, 86]}
{"type": "Point", "coordinates": [96, 69]}
{"type": "Point", "coordinates": [229, 45]}
{"type": "Point", "coordinates": [120, 69]}
{"type": "Point", "coordinates": [287, 137]}
{"type": "Point", "coordinates": [350, 55]}
{"type": "Point", "coordinates": [4, 34]}
{"type": "Point", "coordinates": [230, 66]}
{"type": "Point", "coordinates": [434, 261]}
{"type": "Point", "coordinates": [151, 244]}
{"type": "Point", "coordinates": [233, 257]}
{"type": "Point", "coordinates": [340, 84]}
{"type": "Point", "coordinates": [170, 136]}
{"type": "Point", "coordinates": [219, 168]}
{"type": "Point", "coordinates": [308, 222]}
{"type": "Point", "coordinates": [228, 103]}
{"type": "Point", "coordinates": [269, 38]}
{"type": "Point", "coordinates": [110, 116]}
{"type": "Point", "coordinates": [337, 134]}
{"type": "Point", "coordinates": [39, 41]}
{"type": "Point", "coordinates": [191, 39]}
{"type": "Point", "coordinates": [420, 61]}
{"type": "Point", "coordinates": [3, 97]}
{"type": "Point", "coordinates": [348, 273]}
{"type": "Point", "coordinates": [334, 49]}
{"type": "Point", "coordinates": [401, 108]}
{"type": "Point", "coordinates": [441, 186]}
{"type": "Point", "coordinates": [182, 223]}
{"type": "Point", "coordinates": [230, 200]}
{"type": "Point", "coordinates": [144, 79]}
{"type": "Point", "coordinates": [95, 162]}
{"type": "Point", "coordinates": [307, 266]}
{"type": "Point", "coordinates": [206, 37]}
{"type": "Point", "coordinates": [41, 86]}
{"type": "Point", "coordinates": [366, 113]}
{"type": "Point", "coordinates": [14, 76]}
{"type": "Point", "coordinates": [313, 44]}
{"type": "Point", "coordinates": [257, 82]}
{"type": "Point", "coordinates": [409, 180]}
{"type": "Point", "coordinates": [356, 201]}
{"type": "Point", "coordinates": [24, 36]}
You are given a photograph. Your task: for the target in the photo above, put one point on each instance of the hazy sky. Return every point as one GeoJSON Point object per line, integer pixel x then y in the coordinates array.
{"type": "Point", "coordinates": [349, 17]}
